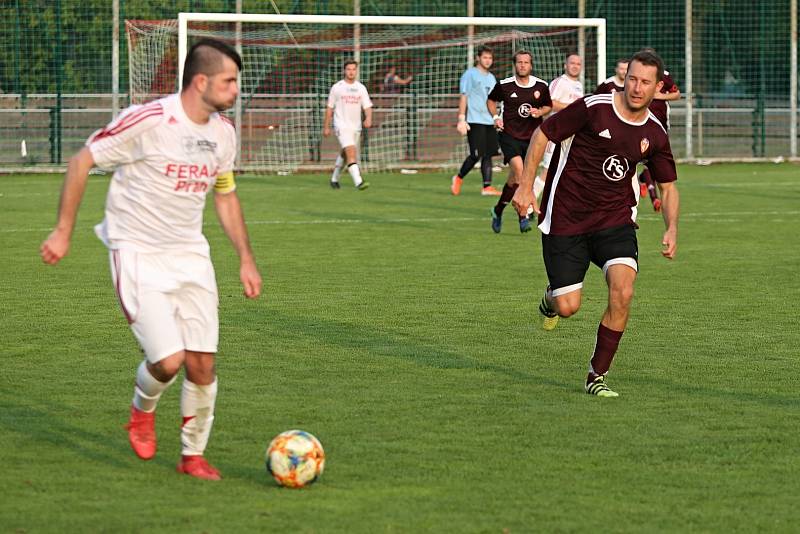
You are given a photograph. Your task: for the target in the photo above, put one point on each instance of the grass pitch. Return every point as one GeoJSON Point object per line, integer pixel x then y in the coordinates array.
{"type": "Point", "coordinates": [403, 333]}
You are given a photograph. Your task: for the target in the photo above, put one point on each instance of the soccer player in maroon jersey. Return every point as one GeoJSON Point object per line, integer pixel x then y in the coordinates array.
{"type": "Point", "coordinates": [588, 211]}
{"type": "Point", "coordinates": [616, 82]}
{"type": "Point", "coordinates": [660, 108]}
{"type": "Point", "coordinates": [526, 99]}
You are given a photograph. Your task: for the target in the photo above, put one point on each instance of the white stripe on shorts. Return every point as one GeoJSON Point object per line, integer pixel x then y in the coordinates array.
{"type": "Point", "coordinates": [566, 289]}
{"type": "Point", "coordinates": [630, 262]}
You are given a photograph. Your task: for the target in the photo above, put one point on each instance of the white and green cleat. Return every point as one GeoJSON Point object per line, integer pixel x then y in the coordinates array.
{"type": "Point", "coordinates": [598, 388]}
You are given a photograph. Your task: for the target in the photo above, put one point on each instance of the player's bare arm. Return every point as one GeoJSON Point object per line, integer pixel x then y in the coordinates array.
{"type": "Point", "coordinates": [326, 125]}
{"type": "Point", "coordinates": [461, 124]}
{"type": "Point", "coordinates": [670, 206]}
{"type": "Point", "coordinates": [56, 245]}
{"type": "Point", "coordinates": [229, 212]}
{"type": "Point", "coordinates": [368, 118]}
{"type": "Point", "coordinates": [491, 105]}
{"type": "Point", "coordinates": [675, 95]}
{"type": "Point", "coordinates": [524, 196]}
{"type": "Point", "coordinates": [541, 112]}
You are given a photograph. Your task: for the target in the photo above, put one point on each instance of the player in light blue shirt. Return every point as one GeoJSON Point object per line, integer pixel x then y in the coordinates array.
{"type": "Point", "coordinates": [475, 121]}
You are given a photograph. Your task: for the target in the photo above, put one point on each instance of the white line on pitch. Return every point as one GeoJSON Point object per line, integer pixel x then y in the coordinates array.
{"type": "Point", "coordinates": [710, 215]}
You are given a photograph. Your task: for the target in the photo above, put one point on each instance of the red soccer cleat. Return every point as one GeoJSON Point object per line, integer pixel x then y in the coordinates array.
{"type": "Point", "coordinates": [142, 433]}
{"type": "Point", "coordinates": [642, 189]}
{"type": "Point", "coordinates": [198, 467]}
{"type": "Point", "coordinates": [657, 205]}
{"type": "Point", "coordinates": [455, 186]}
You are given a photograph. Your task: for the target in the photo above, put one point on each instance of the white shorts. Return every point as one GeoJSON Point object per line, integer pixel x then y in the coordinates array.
{"type": "Point", "coordinates": [169, 299]}
{"type": "Point", "coordinates": [548, 154]}
{"type": "Point", "coordinates": [348, 137]}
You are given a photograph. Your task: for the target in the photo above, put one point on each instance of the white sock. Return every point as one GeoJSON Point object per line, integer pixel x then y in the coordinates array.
{"type": "Point", "coordinates": [355, 173]}
{"type": "Point", "coordinates": [148, 390]}
{"type": "Point", "coordinates": [197, 409]}
{"type": "Point", "coordinates": [337, 169]}
{"type": "Point", "coordinates": [538, 187]}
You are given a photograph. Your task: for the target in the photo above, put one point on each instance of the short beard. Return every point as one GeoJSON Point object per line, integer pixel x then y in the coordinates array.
{"type": "Point", "coordinates": [217, 106]}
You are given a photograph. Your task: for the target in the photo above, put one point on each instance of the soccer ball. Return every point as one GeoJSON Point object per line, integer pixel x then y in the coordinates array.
{"type": "Point", "coordinates": [295, 458]}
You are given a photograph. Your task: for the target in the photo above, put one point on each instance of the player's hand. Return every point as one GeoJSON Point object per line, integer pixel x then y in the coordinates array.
{"type": "Point", "coordinates": [462, 127]}
{"type": "Point", "coordinates": [367, 123]}
{"type": "Point", "coordinates": [251, 279]}
{"type": "Point", "coordinates": [326, 132]}
{"type": "Point", "coordinates": [536, 113]}
{"type": "Point", "coordinates": [54, 247]}
{"type": "Point", "coordinates": [498, 124]}
{"type": "Point", "coordinates": [670, 244]}
{"type": "Point", "coordinates": [524, 200]}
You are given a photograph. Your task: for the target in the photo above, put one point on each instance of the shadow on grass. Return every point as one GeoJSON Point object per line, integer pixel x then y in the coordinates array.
{"type": "Point", "coordinates": [37, 419]}
{"type": "Point", "coordinates": [385, 344]}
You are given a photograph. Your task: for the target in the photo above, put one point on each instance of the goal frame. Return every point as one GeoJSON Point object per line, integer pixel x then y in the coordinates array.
{"type": "Point", "coordinates": [184, 18]}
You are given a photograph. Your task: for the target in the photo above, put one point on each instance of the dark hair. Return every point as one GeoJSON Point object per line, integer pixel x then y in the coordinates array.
{"type": "Point", "coordinates": [651, 59]}
{"type": "Point", "coordinates": [623, 60]}
{"type": "Point", "coordinates": [569, 55]}
{"type": "Point", "coordinates": [483, 49]}
{"type": "Point", "coordinates": [204, 57]}
{"type": "Point", "coordinates": [522, 52]}
{"type": "Point", "coordinates": [350, 62]}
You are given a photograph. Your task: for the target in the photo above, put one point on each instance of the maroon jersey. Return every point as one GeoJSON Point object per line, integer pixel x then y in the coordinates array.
{"type": "Point", "coordinates": [517, 104]}
{"type": "Point", "coordinates": [608, 86]}
{"type": "Point", "coordinates": [660, 108]}
{"type": "Point", "coordinates": [594, 185]}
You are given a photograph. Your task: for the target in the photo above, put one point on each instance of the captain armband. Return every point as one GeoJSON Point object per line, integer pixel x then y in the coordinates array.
{"type": "Point", "coordinates": [225, 183]}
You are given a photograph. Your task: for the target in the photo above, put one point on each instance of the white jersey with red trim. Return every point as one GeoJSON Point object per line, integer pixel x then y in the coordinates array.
{"type": "Point", "coordinates": [565, 90]}
{"type": "Point", "coordinates": [165, 164]}
{"type": "Point", "coordinates": [347, 100]}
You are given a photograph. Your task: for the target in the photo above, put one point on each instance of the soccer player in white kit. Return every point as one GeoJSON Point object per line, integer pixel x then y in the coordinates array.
{"type": "Point", "coordinates": [348, 97]}
{"type": "Point", "coordinates": [564, 90]}
{"type": "Point", "coordinates": [167, 156]}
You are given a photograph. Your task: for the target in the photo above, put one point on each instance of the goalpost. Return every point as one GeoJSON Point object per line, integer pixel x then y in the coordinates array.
{"type": "Point", "coordinates": [291, 61]}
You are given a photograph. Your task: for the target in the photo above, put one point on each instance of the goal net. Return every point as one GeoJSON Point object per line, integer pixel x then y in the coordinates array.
{"type": "Point", "coordinates": [291, 61]}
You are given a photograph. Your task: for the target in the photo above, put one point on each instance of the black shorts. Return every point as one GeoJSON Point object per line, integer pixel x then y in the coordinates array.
{"type": "Point", "coordinates": [567, 257]}
{"type": "Point", "coordinates": [482, 140]}
{"type": "Point", "coordinates": [511, 147]}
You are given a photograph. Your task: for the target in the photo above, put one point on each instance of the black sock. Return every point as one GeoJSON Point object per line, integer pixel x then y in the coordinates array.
{"type": "Point", "coordinates": [486, 170]}
{"type": "Point", "coordinates": [467, 165]}
{"type": "Point", "coordinates": [505, 198]}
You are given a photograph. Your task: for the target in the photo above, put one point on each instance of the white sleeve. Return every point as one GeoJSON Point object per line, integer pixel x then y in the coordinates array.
{"type": "Point", "coordinates": [365, 102]}
{"type": "Point", "coordinates": [120, 141]}
{"type": "Point", "coordinates": [555, 94]}
{"type": "Point", "coordinates": [332, 97]}
{"type": "Point", "coordinates": [228, 159]}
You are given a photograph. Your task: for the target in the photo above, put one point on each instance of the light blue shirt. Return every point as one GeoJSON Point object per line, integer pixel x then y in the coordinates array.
{"type": "Point", "coordinates": [477, 87]}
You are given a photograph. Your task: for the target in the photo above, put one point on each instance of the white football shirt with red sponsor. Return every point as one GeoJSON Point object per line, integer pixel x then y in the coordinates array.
{"type": "Point", "coordinates": [164, 165]}
{"type": "Point", "coordinates": [347, 100]}
{"type": "Point", "coordinates": [566, 90]}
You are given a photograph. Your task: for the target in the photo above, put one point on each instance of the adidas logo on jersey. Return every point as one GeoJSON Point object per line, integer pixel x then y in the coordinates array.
{"type": "Point", "coordinates": [513, 95]}
{"type": "Point", "coordinates": [605, 133]}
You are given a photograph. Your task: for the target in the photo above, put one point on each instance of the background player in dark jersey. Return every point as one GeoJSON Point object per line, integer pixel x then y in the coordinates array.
{"type": "Point", "coordinates": [616, 82]}
{"type": "Point", "coordinates": [526, 99]}
{"type": "Point", "coordinates": [589, 202]}
{"type": "Point", "coordinates": [660, 108]}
